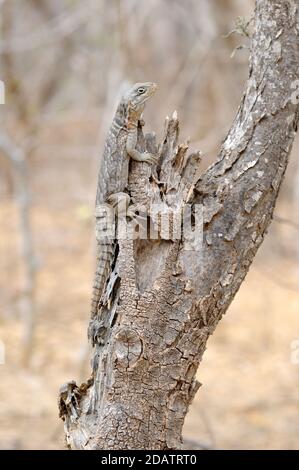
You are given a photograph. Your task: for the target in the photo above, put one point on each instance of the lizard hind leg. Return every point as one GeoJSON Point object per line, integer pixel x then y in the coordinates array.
{"type": "Point", "coordinates": [120, 203]}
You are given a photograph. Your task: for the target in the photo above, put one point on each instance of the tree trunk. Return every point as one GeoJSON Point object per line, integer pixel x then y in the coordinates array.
{"type": "Point", "coordinates": [168, 294]}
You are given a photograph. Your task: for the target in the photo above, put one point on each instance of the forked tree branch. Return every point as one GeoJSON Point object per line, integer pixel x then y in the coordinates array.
{"type": "Point", "coordinates": [17, 159]}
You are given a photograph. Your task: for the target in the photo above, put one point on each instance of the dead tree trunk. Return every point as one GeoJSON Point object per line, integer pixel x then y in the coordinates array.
{"type": "Point", "coordinates": [18, 162]}
{"type": "Point", "coordinates": [168, 295]}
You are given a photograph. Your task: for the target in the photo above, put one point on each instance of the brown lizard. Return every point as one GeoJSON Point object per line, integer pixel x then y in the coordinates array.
{"type": "Point", "coordinates": [120, 146]}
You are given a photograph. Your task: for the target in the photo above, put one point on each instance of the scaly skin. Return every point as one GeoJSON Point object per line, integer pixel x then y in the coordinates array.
{"type": "Point", "coordinates": [120, 146]}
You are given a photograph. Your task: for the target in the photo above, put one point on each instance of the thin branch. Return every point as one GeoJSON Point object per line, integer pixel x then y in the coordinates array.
{"type": "Point", "coordinates": [52, 32]}
{"type": "Point", "coordinates": [18, 160]}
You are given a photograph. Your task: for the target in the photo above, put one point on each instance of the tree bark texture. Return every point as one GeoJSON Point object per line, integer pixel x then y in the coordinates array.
{"type": "Point", "coordinates": [168, 298]}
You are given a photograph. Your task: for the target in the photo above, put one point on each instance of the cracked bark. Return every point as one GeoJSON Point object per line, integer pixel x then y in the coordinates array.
{"type": "Point", "coordinates": [169, 298]}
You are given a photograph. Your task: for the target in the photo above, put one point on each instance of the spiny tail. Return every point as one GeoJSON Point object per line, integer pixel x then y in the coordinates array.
{"type": "Point", "coordinates": [105, 259]}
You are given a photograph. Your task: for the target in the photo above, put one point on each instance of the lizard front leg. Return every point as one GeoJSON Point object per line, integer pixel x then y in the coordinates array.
{"type": "Point", "coordinates": [135, 154]}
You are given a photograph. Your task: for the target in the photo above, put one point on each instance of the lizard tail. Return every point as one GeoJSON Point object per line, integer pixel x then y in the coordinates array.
{"type": "Point", "coordinates": [104, 263]}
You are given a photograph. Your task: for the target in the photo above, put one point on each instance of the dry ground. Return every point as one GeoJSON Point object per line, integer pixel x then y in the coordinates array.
{"type": "Point", "coordinates": [249, 398]}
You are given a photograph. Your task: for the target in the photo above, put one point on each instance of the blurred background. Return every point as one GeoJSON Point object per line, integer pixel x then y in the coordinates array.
{"type": "Point", "coordinates": [64, 64]}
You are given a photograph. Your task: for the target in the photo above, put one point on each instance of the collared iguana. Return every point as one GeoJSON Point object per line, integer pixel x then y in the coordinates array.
{"type": "Point", "coordinates": [120, 146]}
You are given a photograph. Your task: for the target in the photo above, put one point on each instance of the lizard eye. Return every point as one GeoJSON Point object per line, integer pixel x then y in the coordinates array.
{"type": "Point", "coordinates": [141, 90]}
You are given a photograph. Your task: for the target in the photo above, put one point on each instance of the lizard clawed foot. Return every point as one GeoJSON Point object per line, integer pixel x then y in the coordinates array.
{"type": "Point", "coordinates": [120, 203]}
{"type": "Point", "coordinates": [148, 158]}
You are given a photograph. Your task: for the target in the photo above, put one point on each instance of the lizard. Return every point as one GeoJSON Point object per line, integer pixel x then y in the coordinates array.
{"type": "Point", "coordinates": [119, 148]}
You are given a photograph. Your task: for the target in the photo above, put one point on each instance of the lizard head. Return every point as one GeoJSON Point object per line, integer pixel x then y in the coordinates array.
{"type": "Point", "coordinates": [140, 93]}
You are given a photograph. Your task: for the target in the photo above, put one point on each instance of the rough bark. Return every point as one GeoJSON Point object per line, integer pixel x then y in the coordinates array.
{"type": "Point", "coordinates": [169, 295]}
{"type": "Point", "coordinates": [18, 161]}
